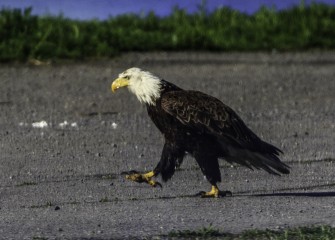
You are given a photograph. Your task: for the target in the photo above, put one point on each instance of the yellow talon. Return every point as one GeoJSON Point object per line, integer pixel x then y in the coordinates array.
{"type": "Point", "coordinates": [215, 193]}
{"type": "Point", "coordinates": [146, 177]}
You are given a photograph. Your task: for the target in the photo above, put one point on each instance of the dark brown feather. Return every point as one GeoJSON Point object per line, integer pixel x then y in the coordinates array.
{"type": "Point", "coordinates": [208, 116]}
{"type": "Point", "coordinates": [205, 112]}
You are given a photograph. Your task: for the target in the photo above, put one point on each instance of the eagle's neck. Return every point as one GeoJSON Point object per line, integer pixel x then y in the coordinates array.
{"type": "Point", "coordinates": [165, 87]}
{"type": "Point", "coordinates": [147, 88]}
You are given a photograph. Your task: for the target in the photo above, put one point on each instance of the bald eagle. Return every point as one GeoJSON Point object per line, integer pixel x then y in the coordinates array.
{"type": "Point", "coordinates": [201, 125]}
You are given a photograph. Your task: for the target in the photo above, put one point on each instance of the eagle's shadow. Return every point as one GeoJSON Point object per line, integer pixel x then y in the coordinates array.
{"type": "Point", "coordinates": [278, 194]}
{"type": "Point", "coordinates": [296, 194]}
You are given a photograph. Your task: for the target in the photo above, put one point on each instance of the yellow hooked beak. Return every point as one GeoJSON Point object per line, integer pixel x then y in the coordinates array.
{"type": "Point", "coordinates": [119, 82]}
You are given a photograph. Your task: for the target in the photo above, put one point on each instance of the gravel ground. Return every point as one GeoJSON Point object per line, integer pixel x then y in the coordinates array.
{"type": "Point", "coordinates": [65, 139]}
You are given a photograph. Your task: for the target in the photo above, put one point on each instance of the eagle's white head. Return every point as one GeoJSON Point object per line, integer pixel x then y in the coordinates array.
{"type": "Point", "coordinates": [143, 84]}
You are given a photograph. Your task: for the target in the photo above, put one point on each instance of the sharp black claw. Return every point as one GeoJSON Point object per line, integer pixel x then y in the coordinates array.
{"type": "Point", "coordinates": [201, 193]}
{"type": "Point", "coordinates": [129, 172]}
{"type": "Point", "coordinates": [225, 194]}
{"type": "Point", "coordinates": [158, 184]}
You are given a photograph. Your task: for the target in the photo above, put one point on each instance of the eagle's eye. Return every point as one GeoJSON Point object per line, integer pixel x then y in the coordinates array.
{"type": "Point", "coordinates": [127, 77]}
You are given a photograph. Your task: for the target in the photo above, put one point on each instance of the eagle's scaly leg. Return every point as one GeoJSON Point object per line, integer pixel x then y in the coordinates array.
{"type": "Point", "coordinates": [145, 177]}
{"type": "Point", "coordinates": [215, 193]}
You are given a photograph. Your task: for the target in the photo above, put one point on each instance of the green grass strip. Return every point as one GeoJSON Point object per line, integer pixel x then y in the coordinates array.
{"type": "Point", "coordinates": [25, 36]}
{"type": "Point", "coordinates": [306, 233]}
